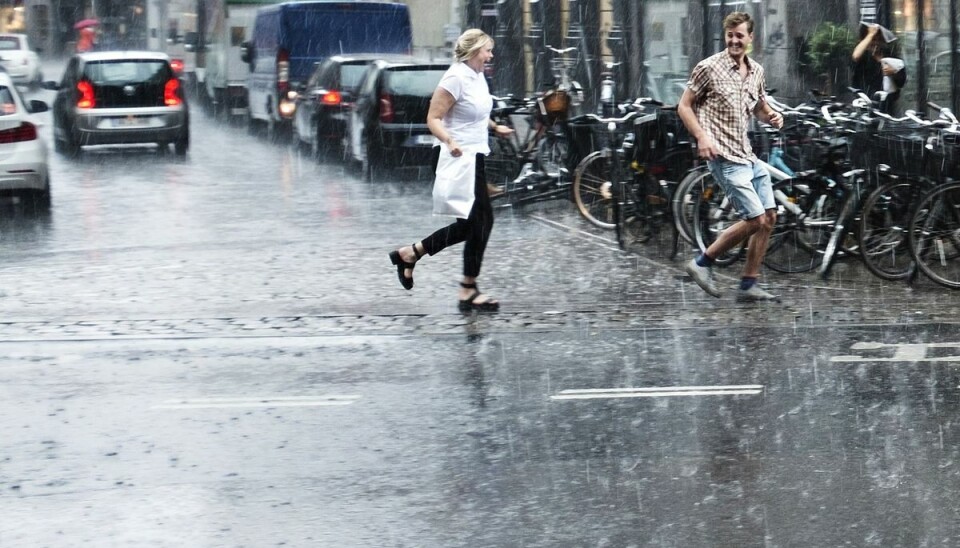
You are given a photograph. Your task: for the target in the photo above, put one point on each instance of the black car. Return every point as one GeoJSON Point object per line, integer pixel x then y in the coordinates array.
{"type": "Point", "coordinates": [119, 97]}
{"type": "Point", "coordinates": [323, 107]}
{"type": "Point", "coordinates": [388, 122]}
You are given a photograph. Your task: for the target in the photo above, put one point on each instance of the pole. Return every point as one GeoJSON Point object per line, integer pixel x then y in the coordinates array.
{"type": "Point", "coordinates": [955, 55]}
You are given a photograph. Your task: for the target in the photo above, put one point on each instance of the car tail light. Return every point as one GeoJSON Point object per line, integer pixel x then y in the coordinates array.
{"type": "Point", "coordinates": [283, 71]}
{"type": "Point", "coordinates": [171, 93]}
{"type": "Point", "coordinates": [24, 132]}
{"type": "Point", "coordinates": [86, 98]}
{"type": "Point", "coordinates": [386, 108]}
{"type": "Point", "coordinates": [331, 98]}
{"type": "Point", "coordinates": [177, 66]}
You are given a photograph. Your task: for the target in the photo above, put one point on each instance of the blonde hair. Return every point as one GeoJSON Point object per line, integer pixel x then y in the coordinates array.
{"type": "Point", "coordinates": [469, 43]}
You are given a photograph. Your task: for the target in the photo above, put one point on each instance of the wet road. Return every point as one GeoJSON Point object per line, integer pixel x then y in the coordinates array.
{"type": "Point", "coordinates": [216, 352]}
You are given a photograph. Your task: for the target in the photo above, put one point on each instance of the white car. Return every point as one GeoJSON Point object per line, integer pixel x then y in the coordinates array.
{"type": "Point", "coordinates": [20, 62]}
{"type": "Point", "coordinates": [24, 170]}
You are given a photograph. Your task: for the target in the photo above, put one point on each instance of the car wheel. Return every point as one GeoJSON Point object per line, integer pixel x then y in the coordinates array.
{"type": "Point", "coordinates": [322, 148]}
{"type": "Point", "coordinates": [71, 145]}
{"type": "Point", "coordinates": [37, 202]}
{"type": "Point", "coordinates": [372, 161]}
{"type": "Point", "coordinates": [182, 143]}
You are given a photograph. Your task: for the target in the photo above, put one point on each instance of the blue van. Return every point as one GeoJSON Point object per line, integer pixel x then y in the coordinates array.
{"type": "Point", "coordinates": [290, 38]}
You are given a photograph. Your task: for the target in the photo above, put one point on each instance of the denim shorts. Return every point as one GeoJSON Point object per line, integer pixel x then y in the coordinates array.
{"type": "Point", "coordinates": [748, 186]}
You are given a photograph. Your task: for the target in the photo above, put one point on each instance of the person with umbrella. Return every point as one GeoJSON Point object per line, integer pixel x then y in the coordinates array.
{"type": "Point", "coordinates": [87, 39]}
{"type": "Point", "coordinates": [877, 68]}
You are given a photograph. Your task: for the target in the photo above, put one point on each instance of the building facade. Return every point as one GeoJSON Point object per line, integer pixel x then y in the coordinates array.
{"type": "Point", "coordinates": [654, 42]}
{"type": "Point", "coordinates": [657, 42]}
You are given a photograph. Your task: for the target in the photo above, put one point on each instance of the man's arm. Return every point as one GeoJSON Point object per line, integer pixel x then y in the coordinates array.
{"type": "Point", "coordinates": [706, 148]}
{"type": "Point", "coordinates": [765, 113]}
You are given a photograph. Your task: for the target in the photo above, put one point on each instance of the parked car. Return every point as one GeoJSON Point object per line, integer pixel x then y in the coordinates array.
{"type": "Point", "coordinates": [19, 61]}
{"type": "Point", "coordinates": [388, 122]}
{"type": "Point", "coordinates": [23, 155]}
{"type": "Point", "coordinates": [120, 97]}
{"type": "Point", "coordinates": [323, 108]}
{"type": "Point", "coordinates": [289, 38]}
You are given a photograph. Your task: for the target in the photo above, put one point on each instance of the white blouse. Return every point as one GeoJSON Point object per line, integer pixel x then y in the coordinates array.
{"type": "Point", "coordinates": [467, 120]}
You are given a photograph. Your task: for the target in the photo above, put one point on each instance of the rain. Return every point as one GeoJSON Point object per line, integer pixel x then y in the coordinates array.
{"type": "Point", "coordinates": [213, 349]}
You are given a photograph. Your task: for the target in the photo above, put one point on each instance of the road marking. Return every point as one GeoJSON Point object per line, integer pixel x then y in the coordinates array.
{"type": "Point", "coordinates": [901, 352]}
{"type": "Point", "coordinates": [659, 392]}
{"type": "Point", "coordinates": [276, 401]}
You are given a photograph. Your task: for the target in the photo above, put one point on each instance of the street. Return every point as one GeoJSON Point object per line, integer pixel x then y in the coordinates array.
{"type": "Point", "coordinates": [215, 351]}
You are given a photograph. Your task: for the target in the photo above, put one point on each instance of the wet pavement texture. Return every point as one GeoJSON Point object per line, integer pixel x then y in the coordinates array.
{"type": "Point", "coordinates": [216, 352]}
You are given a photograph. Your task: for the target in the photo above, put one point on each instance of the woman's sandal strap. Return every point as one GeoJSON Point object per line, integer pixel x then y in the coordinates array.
{"type": "Point", "coordinates": [469, 286]}
{"type": "Point", "coordinates": [416, 252]}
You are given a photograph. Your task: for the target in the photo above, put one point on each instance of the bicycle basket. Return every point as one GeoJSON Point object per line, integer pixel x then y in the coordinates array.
{"type": "Point", "coordinates": [944, 160]}
{"type": "Point", "coordinates": [553, 106]}
{"type": "Point", "coordinates": [901, 149]}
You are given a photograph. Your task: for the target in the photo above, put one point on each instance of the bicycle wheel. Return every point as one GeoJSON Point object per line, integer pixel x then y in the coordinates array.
{"type": "Point", "coordinates": [839, 233]}
{"type": "Point", "coordinates": [633, 217]}
{"type": "Point", "coordinates": [503, 163]}
{"type": "Point", "coordinates": [715, 213]}
{"type": "Point", "coordinates": [934, 235]}
{"type": "Point", "coordinates": [552, 153]}
{"type": "Point", "coordinates": [593, 190]}
{"type": "Point", "coordinates": [806, 214]}
{"type": "Point", "coordinates": [884, 244]}
{"type": "Point", "coordinates": [684, 202]}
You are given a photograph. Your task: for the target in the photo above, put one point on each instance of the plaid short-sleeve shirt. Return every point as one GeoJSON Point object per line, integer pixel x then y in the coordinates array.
{"type": "Point", "coordinates": [725, 101]}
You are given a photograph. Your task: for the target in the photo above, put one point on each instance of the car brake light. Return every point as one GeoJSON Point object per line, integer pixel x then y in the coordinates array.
{"type": "Point", "coordinates": [24, 132]}
{"type": "Point", "coordinates": [283, 71]}
{"type": "Point", "coordinates": [171, 93]}
{"type": "Point", "coordinates": [177, 66]}
{"type": "Point", "coordinates": [331, 98]}
{"type": "Point", "coordinates": [386, 108]}
{"type": "Point", "coordinates": [86, 99]}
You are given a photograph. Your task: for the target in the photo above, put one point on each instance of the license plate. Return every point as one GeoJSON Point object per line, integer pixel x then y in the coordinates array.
{"type": "Point", "coordinates": [424, 139]}
{"type": "Point", "coordinates": [131, 121]}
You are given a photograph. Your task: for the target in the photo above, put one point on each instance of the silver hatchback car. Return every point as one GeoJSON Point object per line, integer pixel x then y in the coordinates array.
{"type": "Point", "coordinates": [120, 97]}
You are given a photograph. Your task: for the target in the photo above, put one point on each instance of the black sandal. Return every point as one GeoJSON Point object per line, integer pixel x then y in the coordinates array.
{"type": "Point", "coordinates": [469, 304]}
{"type": "Point", "coordinates": [402, 265]}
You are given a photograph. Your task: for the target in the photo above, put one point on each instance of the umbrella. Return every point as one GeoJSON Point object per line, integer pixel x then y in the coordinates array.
{"type": "Point", "coordinates": [86, 23]}
{"type": "Point", "coordinates": [887, 34]}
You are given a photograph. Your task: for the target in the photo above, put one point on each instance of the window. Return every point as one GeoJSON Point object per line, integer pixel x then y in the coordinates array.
{"type": "Point", "coordinates": [8, 43]}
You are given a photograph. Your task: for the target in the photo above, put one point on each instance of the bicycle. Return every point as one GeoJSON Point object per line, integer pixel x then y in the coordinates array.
{"type": "Point", "coordinates": [534, 164]}
{"type": "Point", "coordinates": [663, 152]}
{"type": "Point", "coordinates": [888, 209]}
{"type": "Point", "coordinates": [593, 192]}
{"type": "Point", "coordinates": [601, 172]}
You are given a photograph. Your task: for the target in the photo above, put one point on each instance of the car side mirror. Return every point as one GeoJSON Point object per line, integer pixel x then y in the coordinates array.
{"type": "Point", "coordinates": [36, 105]}
{"type": "Point", "coordinates": [50, 85]}
{"type": "Point", "coordinates": [246, 52]}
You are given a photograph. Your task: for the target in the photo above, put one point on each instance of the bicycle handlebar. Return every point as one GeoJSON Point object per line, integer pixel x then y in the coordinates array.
{"type": "Point", "coordinates": [611, 120]}
{"type": "Point", "coordinates": [562, 51]}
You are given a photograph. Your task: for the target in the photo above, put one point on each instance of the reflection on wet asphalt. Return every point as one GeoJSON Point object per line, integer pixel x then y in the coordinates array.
{"type": "Point", "coordinates": [216, 352]}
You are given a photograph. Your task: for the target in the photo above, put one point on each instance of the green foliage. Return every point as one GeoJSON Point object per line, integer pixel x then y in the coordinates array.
{"type": "Point", "coordinates": [830, 46]}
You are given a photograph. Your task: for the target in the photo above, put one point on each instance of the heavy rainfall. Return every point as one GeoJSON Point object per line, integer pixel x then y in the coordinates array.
{"type": "Point", "coordinates": [204, 341]}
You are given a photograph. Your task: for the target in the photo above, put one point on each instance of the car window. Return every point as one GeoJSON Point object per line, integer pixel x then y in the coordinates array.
{"type": "Point", "coordinates": [8, 43]}
{"type": "Point", "coordinates": [418, 83]}
{"type": "Point", "coordinates": [124, 72]}
{"type": "Point", "coordinates": [350, 76]}
{"type": "Point", "coordinates": [7, 104]}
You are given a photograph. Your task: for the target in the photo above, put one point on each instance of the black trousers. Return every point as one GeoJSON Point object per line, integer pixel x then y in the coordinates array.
{"type": "Point", "coordinates": [474, 231]}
